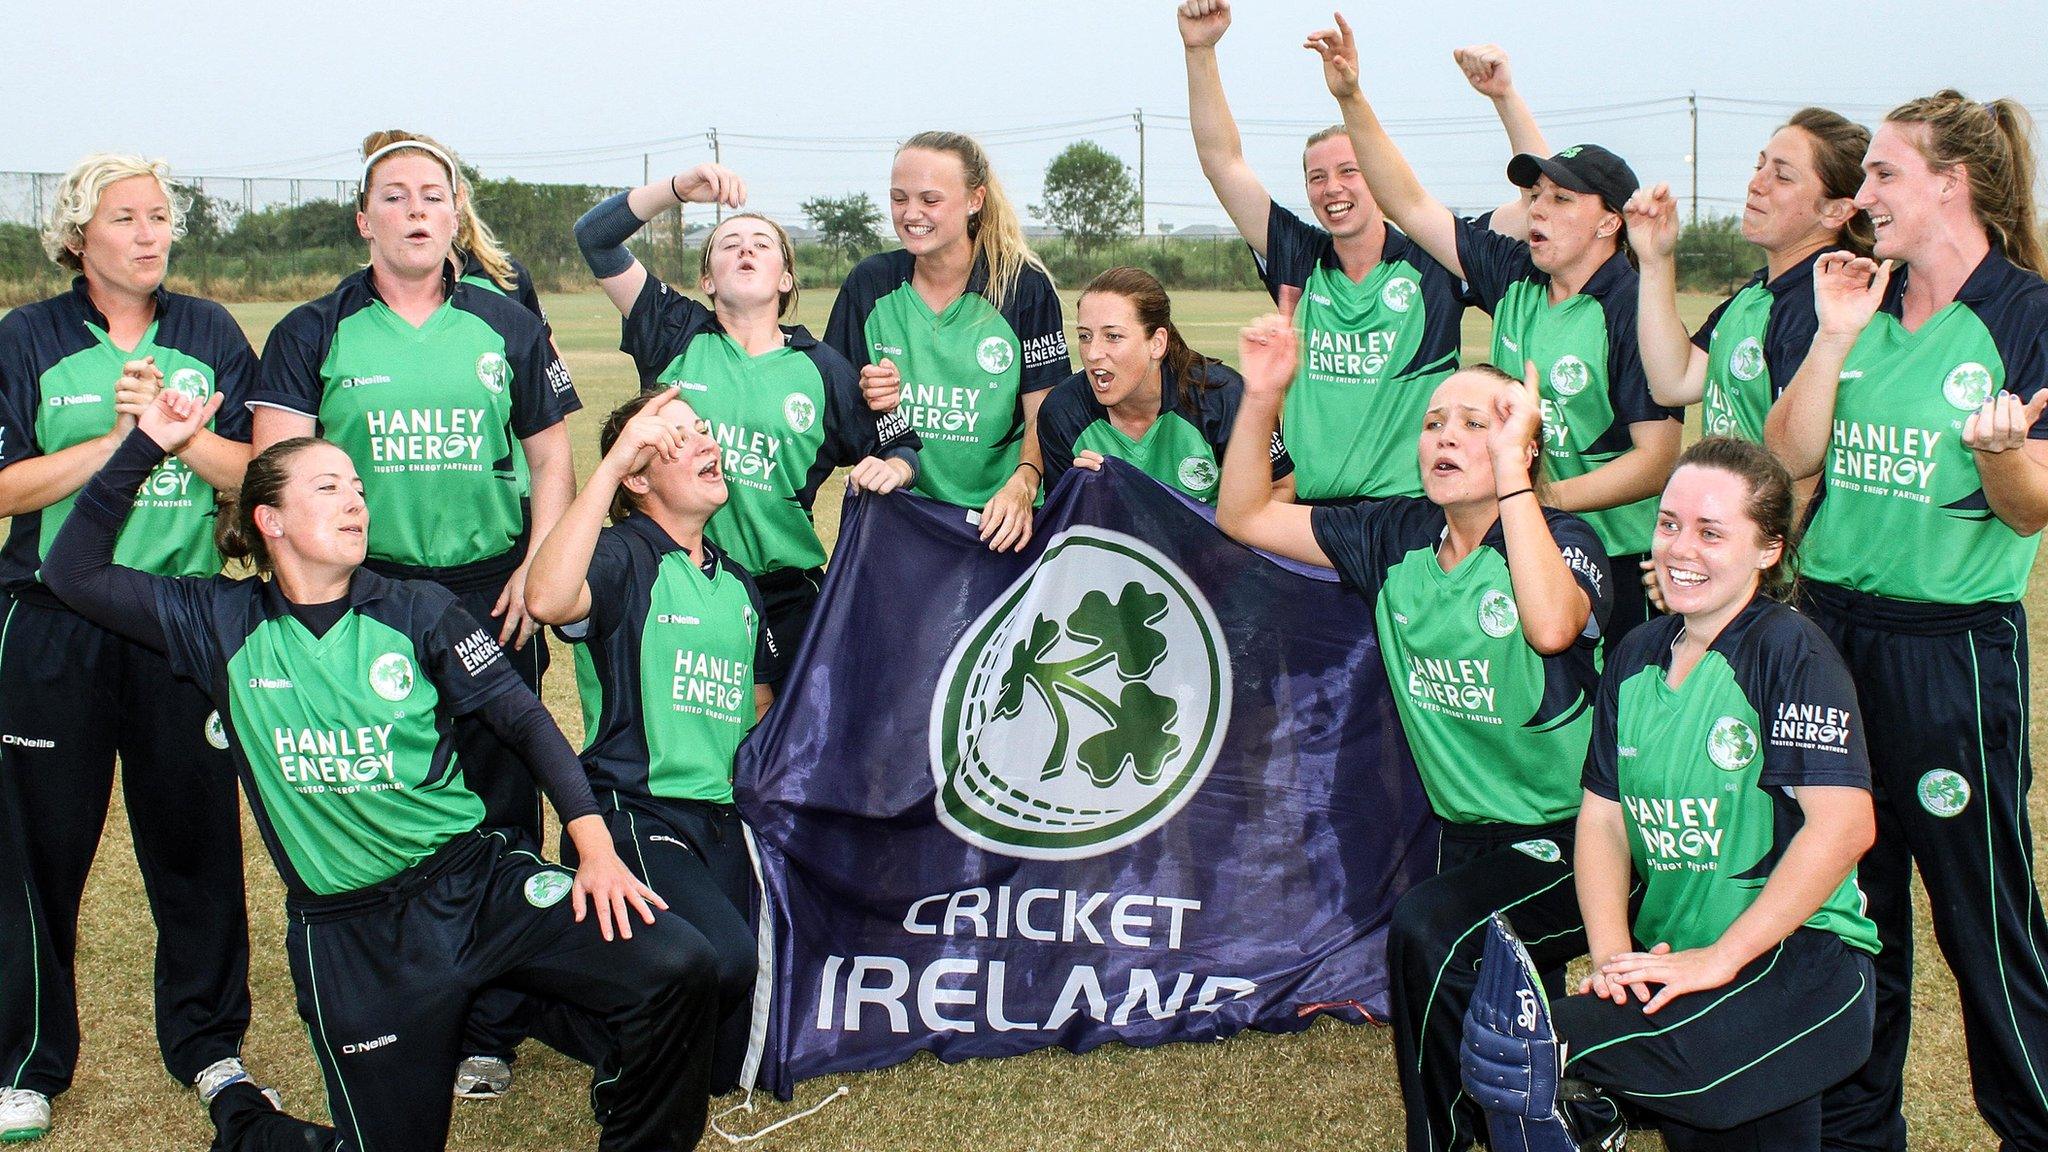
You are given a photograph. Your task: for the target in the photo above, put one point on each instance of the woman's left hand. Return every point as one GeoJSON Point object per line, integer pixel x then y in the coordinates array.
{"type": "Point", "coordinates": [2002, 424]}
{"type": "Point", "coordinates": [874, 474]}
{"type": "Point", "coordinates": [1676, 973]}
{"type": "Point", "coordinates": [605, 884]}
{"type": "Point", "coordinates": [1090, 459]}
{"type": "Point", "coordinates": [1006, 519]}
{"type": "Point", "coordinates": [519, 625]}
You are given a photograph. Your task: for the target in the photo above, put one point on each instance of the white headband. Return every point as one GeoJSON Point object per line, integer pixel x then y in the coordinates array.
{"type": "Point", "coordinates": [370, 161]}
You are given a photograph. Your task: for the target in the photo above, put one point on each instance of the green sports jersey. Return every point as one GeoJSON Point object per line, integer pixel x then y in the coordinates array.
{"type": "Point", "coordinates": [58, 372]}
{"type": "Point", "coordinates": [345, 739]}
{"type": "Point", "coordinates": [1498, 730]}
{"type": "Point", "coordinates": [1182, 449]}
{"type": "Point", "coordinates": [432, 416]}
{"type": "Point", "coordinates": [1589, 370]}
{"type": "Point", "coordinates": [675, 651]}
{"type": "Point", "coordinates": [1755, 341]}
{"type": "Point", "coordinates": [1896, 469]}
{"type": "Point", "coordinates": [785, 418]}
{"type": "Point", "coordinates": [1705, 772]}
{"type": "Point", "coordinates": [965, 369]}
{"type": "Point", "coordinates": [1372, 352]}
{"type": "Point", "coordinates": [524, 293]}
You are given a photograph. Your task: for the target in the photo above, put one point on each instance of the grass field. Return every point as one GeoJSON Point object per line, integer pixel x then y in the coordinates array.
{"type": "Point", "coordinates": [1329, 1088]}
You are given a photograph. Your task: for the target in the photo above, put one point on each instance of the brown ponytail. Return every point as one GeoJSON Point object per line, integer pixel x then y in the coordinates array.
{"type": "Point", "coordinates": [1838, 147]}
{"type": "Point", "coordinates": [1147, 297]}
{"type": "Point", "coordinates": [1994, 143]}
{"type": "Point", "coordinates": [234, 532]}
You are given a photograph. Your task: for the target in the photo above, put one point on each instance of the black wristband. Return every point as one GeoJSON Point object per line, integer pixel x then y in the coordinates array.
{"type": "Point", "coordinates": [674, 191]}
{"type": "Point", "coordinates": [1030, 465]}
{"type": "Point", "coordinates": [1515, 493]}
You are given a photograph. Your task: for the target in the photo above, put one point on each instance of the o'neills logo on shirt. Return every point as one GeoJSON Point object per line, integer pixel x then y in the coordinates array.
{"type": "Point", "coordinates": [1813, 727]}
{"type": "Point", "coordinates": [338, 760]}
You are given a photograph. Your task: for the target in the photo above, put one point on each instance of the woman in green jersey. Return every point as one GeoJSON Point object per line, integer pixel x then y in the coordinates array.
{"type": "Point", "coordinates": [338, 690]}
{"type": "Point", "coordinates": [1729, 780]}
{"type": "Point", "coordinates": [1564, 298]}
{"type": "Point", "coordinates": [684, 664]}
{"type": "Point", "coordinates": [1919, 406]}
{"type": "Point", "coordinates": [786, 408]}
{"type": "Point", "coordinates": [75, 371]}
{"type": "Point", "coordinates": [1488, 608]}
{"type": "Point", "coordinates": [959, 331]}
{"type": "Point", "coordinates": [1144, 396]}
{"type": "Point", "coordinates": [1799, 204]}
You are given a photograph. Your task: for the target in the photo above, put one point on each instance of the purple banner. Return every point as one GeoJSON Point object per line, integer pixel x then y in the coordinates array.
{"type": "Point", "coordinates": [1138, 783]}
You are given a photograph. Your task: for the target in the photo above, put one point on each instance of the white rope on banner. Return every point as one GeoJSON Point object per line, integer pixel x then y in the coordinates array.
{"type": "Point", "coordinates": [757, 1032]}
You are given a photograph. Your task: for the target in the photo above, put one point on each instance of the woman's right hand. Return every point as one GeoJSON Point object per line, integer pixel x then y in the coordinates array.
{"type": "Point", "coordinates": [646, 437]}
{"type": "Point", "coordinates": [710, 184]}
{"type": "Point", "coordinates": [882, 385]}
{"type": "Point", "coordinates": [173, 418]}
{"type": "Point", "coordinates": [1652, 218]}
{"type": "Point", "coordinates": [1203, 22]}
{"type": "Point", "coordinates": [1267, 351]}
{"type": "Point", "coordinates": [1847, 292]}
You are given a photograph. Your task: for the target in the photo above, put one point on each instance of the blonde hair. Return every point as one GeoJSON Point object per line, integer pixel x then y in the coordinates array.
{"type": "Point", "coordinates": [1320, 135]}
{"type": "Point", "coordinates": [996, 231]}
{"type": "Point", "coordinates": [473, 237]}
{"type": "Point", "coordinates": [788, 301]}
{"type": "Point", "coordinates": [78, 199]}
{"type": "Point", "coordinates": [1993, 141]}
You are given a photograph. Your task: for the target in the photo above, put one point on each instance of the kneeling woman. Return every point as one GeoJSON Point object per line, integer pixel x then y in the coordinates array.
{"type": "Point", "coordinates": [1728, 773]}
{"type": "Point", "coordinates": [1144, 396]}
{"type": "Point", "coordinates": [1488, 608]}
{"type": "Point", "coordinates": [339, 690]}
{"type": "Point", "coordinates": [683, 659]}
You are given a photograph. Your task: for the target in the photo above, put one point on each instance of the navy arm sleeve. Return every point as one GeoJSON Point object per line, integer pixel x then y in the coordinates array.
{"type": "Point", "coordinates": [1588, 561]}
{"type": "Point", "coordinates": [846, 329]}
{"type": "Point", "coordinates": [771, 655]}
{"type": "Point", "coordinates": [1704, 337]}
{"type": "Point", "coordinates": [611, 565]}
{"type": "Point", "coordinates": [659, 327]}
{"type": "Point", "coordinates": [1807, 707]}
{"type": "Point", "coordinates": [288, 376]}
{"type": "Point", "coordinates": [1788, 337]}
{"type": "Point", "coordinates": [1061, 420]}
{"type": "Point", "coordinates": [1351, 536]}
{"type": "Point", "coordinates": [1600, 776]}
{"type": "Point", "coordinates": [80, 568]}
{"type": "Point", "coordinates": [19, 393]}
{"type": "Point", "coordinates": [1628, 386]}
{"type": "Point", "coordinates": [537, 386]}
{"type": "Point", "coordinates": [522, 722]}
{"type": "Point", "coordinates": [1492, 262]}
{"type": "Point", "coordinates": [234, 376]}
{"type": "Point", "coordinates": [1042, 328]}
{"type": "Point", "coordinates": [1293, 247]}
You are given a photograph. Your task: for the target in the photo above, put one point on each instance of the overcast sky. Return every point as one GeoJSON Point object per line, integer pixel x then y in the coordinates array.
{"type": "Point", "coordinates": [808, 97]}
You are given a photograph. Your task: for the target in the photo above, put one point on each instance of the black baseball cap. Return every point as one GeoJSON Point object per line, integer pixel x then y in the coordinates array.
{"type": "Point", "coordinates": [1581, 168]}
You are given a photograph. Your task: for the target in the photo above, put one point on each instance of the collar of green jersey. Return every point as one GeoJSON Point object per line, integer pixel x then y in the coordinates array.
{"type": "Point", "coordinates": [658, 538]}
{"type": "Point", "coordinates": [83, 298]}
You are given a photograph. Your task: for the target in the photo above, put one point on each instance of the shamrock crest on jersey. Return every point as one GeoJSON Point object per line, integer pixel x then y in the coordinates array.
{"type": "Point", "coordinates": [1197, 474]}
{"type": "Point", "coordinates": [1399, 294]}
{"type": "Point", "coordinates": [800, 412]}
{"type": "Point", "coordinates": [546, 889]}
{"type": "Point", "coordinates": [1086, 705]}
{"type": "Point", "coordinates": [216, 733]}
{"type": "Point", "coordinates": [1498, 616]}
{"type": "Point", "coordinates": [1747, 361]}
{"type": "Point", "coordinates": [995, 355]}
{"type": "Point", "coordinates": [493, 372]}
{"type": "Point", "coordinates": [1968, 386]}
{"type": "Point", "coordinates": [1944, 792]}
{"type": "Point", "coordinates": [391, 676]}
{"type": "Point", "coordinates": [190, 382]}
{"type": "Point", "coordinates": [1731, 744]}
{"type": "Point", "coordinates": [1569, 376]}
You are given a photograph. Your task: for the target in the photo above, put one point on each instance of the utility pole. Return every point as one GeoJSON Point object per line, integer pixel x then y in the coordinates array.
{"type": "Point", "coordinates": [646, 168]}
{"type": "Point", "coordinates": [717, 210]}
{"type": "Point", "coordinates": [1692, 107]}
{"type": "Point", "coordinates": [1139, 116]}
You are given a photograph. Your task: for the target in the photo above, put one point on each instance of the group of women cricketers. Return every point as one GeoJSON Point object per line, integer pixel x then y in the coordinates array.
{"type": "Point", "coordinates": [1742, 689]}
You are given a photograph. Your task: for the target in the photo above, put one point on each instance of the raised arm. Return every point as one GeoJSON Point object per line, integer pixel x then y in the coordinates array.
{"type": "Point", "coordinates": [1552, 605]}
{"type": "Point", "coordinates": [1246, 508]}
{"type": "Point", "coordinates": [1486, 69]}
{"type": "Point", "coordinates": [1847, 292]}
{"type": "Point", "coordinates": [1676, 369]}
{"type": "Point", "coordinates": [602, 232]}
{"type": "Point", "coordinates": [1394, 184]}
{"type": "Point", "coordinates": [557, 591]}
{"type": "Point", "coordinates": [80, 568]}
{"type": "Point", "coordinates": [1217, 145]}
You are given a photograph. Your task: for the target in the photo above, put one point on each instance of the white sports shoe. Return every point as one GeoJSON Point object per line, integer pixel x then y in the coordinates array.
{"type": "Point", "coordinates": [24, 1115]}
{"type": "Point", "coordinates": [482, 1078]}
{"type": "Point", "coordinates": [223, 1074]}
